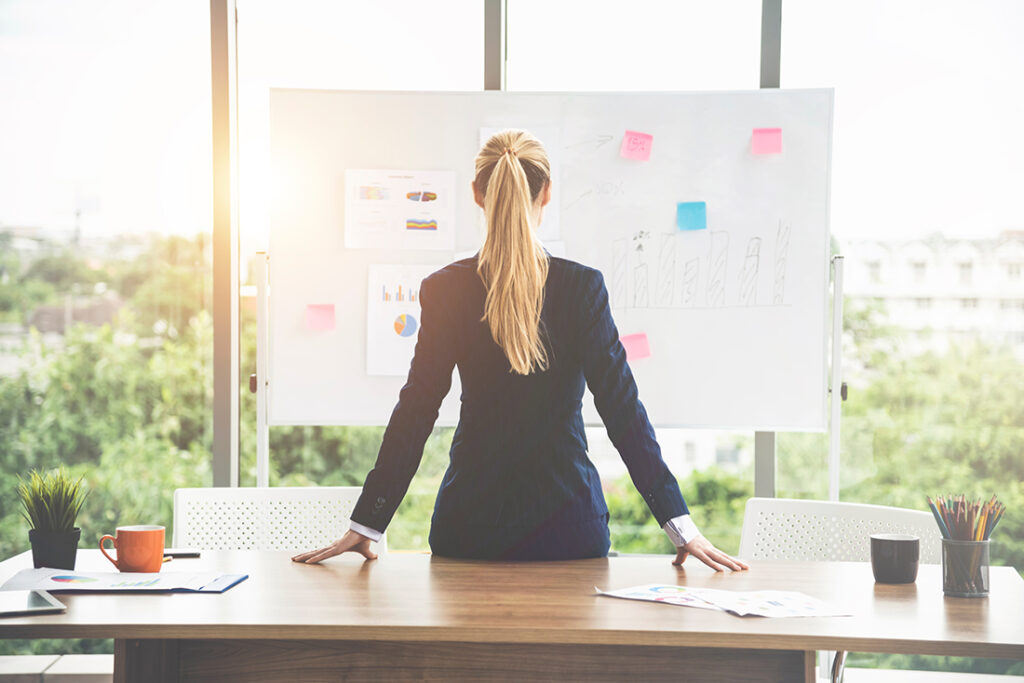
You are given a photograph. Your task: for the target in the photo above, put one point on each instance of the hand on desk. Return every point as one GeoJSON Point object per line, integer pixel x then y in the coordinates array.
{"type": "Point", "coordinates": [350, 542]}
{"type": "Point", "coordinates": [703, 550]}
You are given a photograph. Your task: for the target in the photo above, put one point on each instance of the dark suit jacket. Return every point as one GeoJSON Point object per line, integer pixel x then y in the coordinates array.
{"type": "Point", "coordinates": [519, 454]}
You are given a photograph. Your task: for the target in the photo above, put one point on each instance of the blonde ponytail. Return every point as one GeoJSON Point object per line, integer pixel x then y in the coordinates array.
{"type": "Point", "coordinates": [512, 169]}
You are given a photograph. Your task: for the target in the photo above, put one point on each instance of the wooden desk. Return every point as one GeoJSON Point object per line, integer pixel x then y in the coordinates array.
{"type": "Point", "coordinates": [412, 616]}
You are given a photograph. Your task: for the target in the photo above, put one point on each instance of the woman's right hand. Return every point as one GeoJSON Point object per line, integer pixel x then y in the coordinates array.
{"type": "Point", "coordinates": [352, 541]}
{"type": "Point", "coordinates": [706, 552]}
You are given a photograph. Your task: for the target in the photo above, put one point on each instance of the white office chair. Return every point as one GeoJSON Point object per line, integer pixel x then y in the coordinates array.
{"type": "Point", "coordinates": [283, 518]}
{"type": "Point", "coordinates": [820, 531]}
{"type": "Point", "coordinates": [823, 531]}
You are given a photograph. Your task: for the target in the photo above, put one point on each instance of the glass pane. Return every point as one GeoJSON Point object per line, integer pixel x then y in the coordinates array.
{"type": "Point", "coordinates": [356, 46]}
{"type": "Point", "coordinates": [925, 208]}
{"type": "Point", "coordinates": [585, 45]}
{"type": "Point", "coordinates": [105, 275]}
{"type": "Point", "coordinates": [640, 45]}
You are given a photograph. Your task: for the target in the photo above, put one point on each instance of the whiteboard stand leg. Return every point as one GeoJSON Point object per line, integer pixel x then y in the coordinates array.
{"type": "Point", "coordinates": [837, 377]}
{"type": "Point", "coordinates": [764, 464]}
{"type": "Point", "coordinates": [262, 383]}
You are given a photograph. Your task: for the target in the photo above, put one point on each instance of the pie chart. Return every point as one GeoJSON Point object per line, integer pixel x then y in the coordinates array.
{"type": "Point", "coordinates": [405, 325]}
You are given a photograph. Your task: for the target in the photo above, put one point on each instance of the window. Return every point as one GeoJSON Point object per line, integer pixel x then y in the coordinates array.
{"type": "Point", "coordinates": [359, 46]}
{"type": "Point", "coordinates": [105, 258]}
{"type": "Point", "coordinates": [923, 303]}
{"type": "Point", "coordinates": [1013, 271]}
{"type": "Point", "coordinates": [679, 45]}
{"type": "Point", "coordinates": [875, 272]}
{"type": "Point", "coordinates": [920, 269]}
{"type": "Point", "coordinates": [1012, 304]}
{"type": "Point", "coordinates": [893, 65]}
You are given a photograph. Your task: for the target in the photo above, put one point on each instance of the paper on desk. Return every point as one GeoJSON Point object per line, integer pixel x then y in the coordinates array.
{"type": "Point", "coordinates": [656, 592]}
{"type": "Point", "coordinates": [740, 603]}
{"type": "Point", "coordinates": [65, 580]}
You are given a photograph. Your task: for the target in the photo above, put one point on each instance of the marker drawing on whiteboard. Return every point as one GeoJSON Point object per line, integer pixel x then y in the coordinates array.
{"type": "Point", "coordinates": [620, 254]}
{"type": "Point", "coordinates": [718, 261]}
{"type": "Point", "coordinates": [666, 289]}
{"type": "Point", "coordinates": [640, 297]}
{"type": "Point", "coordinates": [749, 271]}
{"type": "Point", "coordinates": [691, 275]}
{"type": "Point", "coordinates": [592, 144]}
{"type": "Point", "coordinates": [781, 260]}
{"type": "Point", "coordinates": [577, 200]}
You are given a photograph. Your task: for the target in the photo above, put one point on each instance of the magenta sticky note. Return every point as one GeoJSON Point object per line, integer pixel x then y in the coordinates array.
{"type": "Point", "coordinates": [636, 146]}
{"type": "Point", "coordinates": [766, 141]}
{"type": "Point", "coordinates": [636, 346]}
{"type": "Point", "coordinates": [320, 317]}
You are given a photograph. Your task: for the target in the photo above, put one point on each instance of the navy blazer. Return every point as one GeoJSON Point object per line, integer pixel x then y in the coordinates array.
{"type": "Point", "coordinates": [519, 453]}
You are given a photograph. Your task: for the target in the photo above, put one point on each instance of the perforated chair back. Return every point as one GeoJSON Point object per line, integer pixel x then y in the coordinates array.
{"type": "Point", "coordinates": [818, 531]}
{"type": "Point", "coordinates": [292, 519]}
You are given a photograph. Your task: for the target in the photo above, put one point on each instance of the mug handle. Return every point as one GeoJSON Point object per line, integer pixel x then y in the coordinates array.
{"type": "Point", "coordinates": [103, 550]}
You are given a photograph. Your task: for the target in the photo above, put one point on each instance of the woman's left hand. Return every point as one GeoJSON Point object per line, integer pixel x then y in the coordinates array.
{"type": "Point", "coordinates": [703, 550]}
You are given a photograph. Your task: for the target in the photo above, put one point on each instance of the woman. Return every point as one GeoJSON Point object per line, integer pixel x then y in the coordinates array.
{"type": "Point", "coordinates": [526, 330]}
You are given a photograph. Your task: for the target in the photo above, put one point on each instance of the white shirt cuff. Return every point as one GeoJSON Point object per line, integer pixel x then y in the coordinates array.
{"type": "Point", "coordinates": [371, 534]}
{"type": "Point", "coordinates": [681, 530]}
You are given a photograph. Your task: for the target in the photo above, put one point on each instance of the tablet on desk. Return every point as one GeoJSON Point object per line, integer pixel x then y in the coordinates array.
{"type": "Point", "coordinates": [28, 602]}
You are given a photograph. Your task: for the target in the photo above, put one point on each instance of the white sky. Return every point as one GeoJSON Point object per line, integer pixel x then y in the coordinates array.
{"type": "Point", "coordinates": [105, 105]}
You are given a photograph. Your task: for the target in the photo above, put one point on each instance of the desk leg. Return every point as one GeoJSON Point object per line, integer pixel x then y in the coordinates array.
{"type": "Point", "coordinates": [152, 661]}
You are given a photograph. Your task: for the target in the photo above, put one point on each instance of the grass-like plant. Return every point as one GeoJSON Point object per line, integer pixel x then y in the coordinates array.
{"type": "Point", "coordinates": [51, 501]}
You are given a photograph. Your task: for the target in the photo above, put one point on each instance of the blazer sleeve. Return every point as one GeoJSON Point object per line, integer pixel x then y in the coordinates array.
{"type": "Point", "coordinates": [430, 378]}
{"type": "Point", "coordinates": [615, 395]}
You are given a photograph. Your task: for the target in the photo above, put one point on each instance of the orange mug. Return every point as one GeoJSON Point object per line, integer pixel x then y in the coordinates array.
{"type": "Point", "coordinates": [139, 548]}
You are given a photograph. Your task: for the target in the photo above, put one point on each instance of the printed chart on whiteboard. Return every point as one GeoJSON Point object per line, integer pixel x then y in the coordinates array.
{"type": "Point", "coordinates": [393, 317]}
{"type": "Point", "coordinates": [394, 209]}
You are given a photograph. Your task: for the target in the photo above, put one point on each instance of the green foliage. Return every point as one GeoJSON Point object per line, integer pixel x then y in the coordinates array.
{"type": "Point", "coordinates": [51, 501]}
{"type": "Point", "coordinates": [127, 409]}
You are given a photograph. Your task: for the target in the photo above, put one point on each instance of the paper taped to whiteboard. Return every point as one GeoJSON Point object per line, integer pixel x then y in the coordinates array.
{"type": "Point", "coordinates": [395, 209]}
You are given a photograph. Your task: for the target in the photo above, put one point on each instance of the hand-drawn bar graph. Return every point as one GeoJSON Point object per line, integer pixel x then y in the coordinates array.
{"type": "Point", "coordinates": [691, 279]}
{"type": "Point", "coordinates": [718, 261]}
{"type": "Point", "coordinates": [666, 287]}
{"type": "Point", "coordinates": [748, 272]}
{"type": "Point", "coordinates": [781, 260]}
{"type": "Point", "coordinates": [620, 254]}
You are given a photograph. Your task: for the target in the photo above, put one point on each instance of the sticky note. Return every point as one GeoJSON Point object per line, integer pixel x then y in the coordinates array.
{"type": "Point", "coordinates": [766, 141]}
{"type": "Point", "coordinates": [691, 215]}
{"type": "Point", "coordinates": [636, 346]}
{"type": "Point", "coordinates": [320, 317]}
{"type": "Point", "coordinates": [636, 146]}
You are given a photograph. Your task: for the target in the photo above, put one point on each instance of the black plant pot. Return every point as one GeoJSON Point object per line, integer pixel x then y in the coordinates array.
{"type": "Point", "coordinates": [54, 549]}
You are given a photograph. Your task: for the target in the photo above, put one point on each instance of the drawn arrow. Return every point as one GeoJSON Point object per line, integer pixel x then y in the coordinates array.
{"type": "Point", "coordinates": [597, 143]}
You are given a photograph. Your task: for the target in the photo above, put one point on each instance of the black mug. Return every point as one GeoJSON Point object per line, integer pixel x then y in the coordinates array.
{"type": "Point", "coordinates": [894, 557]}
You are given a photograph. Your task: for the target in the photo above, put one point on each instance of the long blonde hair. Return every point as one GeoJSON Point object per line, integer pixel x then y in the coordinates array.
{"type": "Point", "coordinates": [512, 169]}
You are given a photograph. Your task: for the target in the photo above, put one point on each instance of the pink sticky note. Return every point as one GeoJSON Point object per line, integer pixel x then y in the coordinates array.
{"type": "Point", "coordinates": [636, 146]}
{"type": "Point", "coordinates": [320, 317]}
{"type": "Point", "coordinates": [636, 346]}
{"type": "Point", "coordinates": [766, 141]}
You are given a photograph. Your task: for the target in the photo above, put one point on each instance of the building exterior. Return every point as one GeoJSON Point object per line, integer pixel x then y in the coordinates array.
{"type": "Point", "coordinates": [943, 291]}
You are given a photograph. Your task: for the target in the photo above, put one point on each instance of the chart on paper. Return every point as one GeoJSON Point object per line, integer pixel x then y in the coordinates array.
{"type": "Point", "coordinates": [395, 209]}
{"type": "Point", "coordinates": [393, 317]}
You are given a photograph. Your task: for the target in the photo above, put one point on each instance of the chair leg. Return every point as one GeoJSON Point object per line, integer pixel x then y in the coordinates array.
{"type": "Point", "coordinates": [839, 666]}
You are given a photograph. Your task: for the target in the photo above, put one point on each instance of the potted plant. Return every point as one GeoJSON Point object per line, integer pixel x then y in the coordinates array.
{"type": "Point", "coordinates": [51, 505]}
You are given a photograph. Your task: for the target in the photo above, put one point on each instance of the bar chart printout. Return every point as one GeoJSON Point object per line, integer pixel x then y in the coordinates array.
{"type": "Point", "coordinates": [393, 317]}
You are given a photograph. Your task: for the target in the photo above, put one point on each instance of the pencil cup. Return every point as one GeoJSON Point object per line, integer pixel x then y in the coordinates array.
{"type": "Point", "coordinates": [965, 568]}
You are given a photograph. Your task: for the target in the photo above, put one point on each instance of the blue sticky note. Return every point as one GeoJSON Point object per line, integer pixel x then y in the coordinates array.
{"type": "Point", "coordinates": [692, 215]}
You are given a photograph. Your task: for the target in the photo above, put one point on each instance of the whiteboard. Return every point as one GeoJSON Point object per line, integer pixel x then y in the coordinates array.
{"type": "Point", "coordinates": [735, 314]}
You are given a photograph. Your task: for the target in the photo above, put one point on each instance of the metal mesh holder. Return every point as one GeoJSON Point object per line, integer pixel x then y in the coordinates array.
{"type": "Point", "coordinates": [965, 568]}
